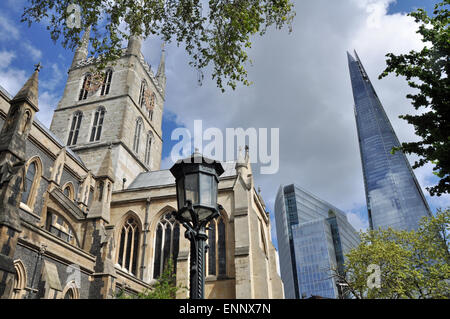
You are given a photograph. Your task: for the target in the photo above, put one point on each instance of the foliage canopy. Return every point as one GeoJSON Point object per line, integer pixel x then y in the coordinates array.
{"type": "Point", "coordinates": [214, 32]}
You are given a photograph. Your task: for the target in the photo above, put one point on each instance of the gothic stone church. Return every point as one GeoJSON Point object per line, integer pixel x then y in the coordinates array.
{"type": "Point", "coordinates": [85, 209]}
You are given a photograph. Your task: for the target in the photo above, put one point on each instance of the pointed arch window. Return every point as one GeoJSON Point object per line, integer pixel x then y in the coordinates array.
{"type": "Point", "coordinates": [75, 128]}
{"type": "Point", "coordinates": [142, 94]}
{"type": "Point", "coordinates": [167, 244]}
{"type": "Point", "coordinates": [129, 246]}
{"type": "Point", "coordinates": [150, 115]}
{"type": "Point", "coordinates": [60, 227]}
{"type": "Point", "coordinates": [152, 106]}
{"type": "Point", "coordinates": [32, 181]}
{"type": "Point", "coordinates": [86, 83]}
{"type": "Point", "coordinates": [148, 147]}
{"type": "Point", "coordinates": [69, 191]}
{"type": "Point", "coordinates": [29, 181]}
{"type": "Point", "coordinates": [137, 135]}
{"type": "Point", "coordinates": [97, 125]}
{"type": "Point", "coordinates": [100, 187]}
{"type": "Point", "coordinates": [20, 280]}
{"type": "Point", "coordinates": [25, 121]}
{"type": "Point", "coordinates": [216, 256]}
{"type": "Point", "coordinates": [71, 291]}
{"type": "Point", "coordinates": [106, 82]}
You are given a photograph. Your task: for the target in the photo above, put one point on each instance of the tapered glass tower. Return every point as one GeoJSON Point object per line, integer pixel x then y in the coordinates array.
{"type": "Point", "coordinates": [394, 198]}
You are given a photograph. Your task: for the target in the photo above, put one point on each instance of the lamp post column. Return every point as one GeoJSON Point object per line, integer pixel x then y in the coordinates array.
{"type": "Point", "coordinates": [197, 263]}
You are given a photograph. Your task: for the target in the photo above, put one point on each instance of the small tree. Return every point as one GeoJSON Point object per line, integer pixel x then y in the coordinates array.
{"type": "Point", "coordinates": [163, 288]}
{"type": "Point", "coordinates": [431, 68]}
{"type": "Point", "coordinates": [412, 264]}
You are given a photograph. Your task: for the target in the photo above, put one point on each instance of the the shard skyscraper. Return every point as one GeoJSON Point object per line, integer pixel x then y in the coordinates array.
{"type": "Point", "coordinates": [394, 198]}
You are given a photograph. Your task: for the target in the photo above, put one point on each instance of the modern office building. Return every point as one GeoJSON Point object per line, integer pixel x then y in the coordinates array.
{"type": "Point", "coordinates": [393, 195]}
{"type": "Point", "coordinates": [313, 238]}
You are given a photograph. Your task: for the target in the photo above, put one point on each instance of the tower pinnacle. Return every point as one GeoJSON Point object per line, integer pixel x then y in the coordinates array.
{"type": "Point", "coordinates": [161, 74]}
{"type": "Point", "coordinates": [29, 92]}
{"type": "Point", "coordinates": [81, 52]}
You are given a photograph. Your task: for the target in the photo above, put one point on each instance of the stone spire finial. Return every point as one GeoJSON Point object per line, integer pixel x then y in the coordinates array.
{"type": "Point", "coordinates": [161, 74]}
{"type": "Point", "coordinates": [38, 67]}
{"type": "Point", "coordinates": [247, 156]}
{"type": "Point", "coordinates": [29, 92]}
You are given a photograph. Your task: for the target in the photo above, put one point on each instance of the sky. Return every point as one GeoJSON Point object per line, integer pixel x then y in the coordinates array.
{"type": "Point", "coordinates": [301, 85]}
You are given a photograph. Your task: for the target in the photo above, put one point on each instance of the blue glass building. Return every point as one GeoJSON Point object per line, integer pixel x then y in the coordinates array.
{"type": "Point", "coordinates": [313, 238]}
{"type": "Point", "coordinates": [394, 197]}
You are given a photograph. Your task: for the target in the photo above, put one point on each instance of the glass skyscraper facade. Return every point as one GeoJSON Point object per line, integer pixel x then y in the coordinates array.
{"type": "Point", "coordinates": [313, 237]}
{"type": "Point", "coordinates": [393, 195]}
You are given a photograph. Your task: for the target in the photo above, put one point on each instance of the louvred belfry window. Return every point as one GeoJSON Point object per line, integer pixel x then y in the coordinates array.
{"type": "Point", "coordinates": [97, 125]}
{"type": "Point", "coordinates": [83, 91]}
{"type": "Point", "coordinates": [142, 94]}
{"type": "Point", "coordinates": [75, 128]}
{"type": "Point", "coordinates": [137, 135]}
{"type": "Point", "coordinates": [148, 147]}
{"type": "Point", "coordinates": [106, 82]}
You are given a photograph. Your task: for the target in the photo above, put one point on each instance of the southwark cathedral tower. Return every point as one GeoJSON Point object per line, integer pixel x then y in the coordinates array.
{"type": "Point", "coordinates": [85, 211]}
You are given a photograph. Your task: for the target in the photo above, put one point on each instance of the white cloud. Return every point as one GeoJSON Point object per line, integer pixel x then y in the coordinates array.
{"type": "Point", "coordinates": [427, 179]}
{"type": "Point", "coordinates": [302, 86]}
{"type": "Point", "coordinates": [8, 30]}
{"type": "Point", "coordinates": [31, 51]}
{"type": "Point", "coordinates": [6, 58]}
{"type": "Point", "coordinates": [47, 104]}
{"type": "Point", "coordinates": [57, 77]}
{"type": "Point", "coordinates": [11, 79]}
{"type": "Point", "coordinates": [358, 221]}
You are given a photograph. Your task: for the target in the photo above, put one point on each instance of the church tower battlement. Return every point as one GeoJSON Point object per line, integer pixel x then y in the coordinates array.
{"type": "Point", "coordinates": [119, 108]}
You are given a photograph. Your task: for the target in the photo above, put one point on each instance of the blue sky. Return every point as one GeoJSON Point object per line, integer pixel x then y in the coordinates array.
{"type": "Point", "coordinates": [21, 47]}
{"type": "Point", "coordinates": [405, 6]}
{"type": "Point", "coordinates": [33, 45]}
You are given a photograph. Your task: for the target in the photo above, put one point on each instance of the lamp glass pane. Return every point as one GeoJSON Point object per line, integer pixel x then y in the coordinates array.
{"type": "Point", "coordinates": [206, 189]}
{"type": "Point", "coordinates": [191, 186]}
{"type": "Point", "coordinates": [203, 213]}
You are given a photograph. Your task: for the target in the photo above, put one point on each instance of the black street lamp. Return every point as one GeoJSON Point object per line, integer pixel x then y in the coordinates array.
{"type": "Point", "coordinates": [197, 179]}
